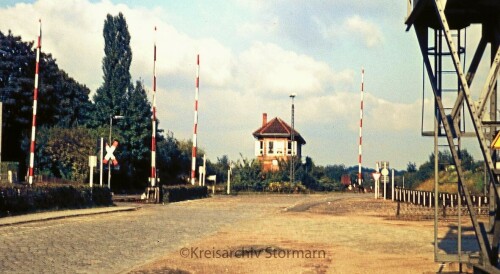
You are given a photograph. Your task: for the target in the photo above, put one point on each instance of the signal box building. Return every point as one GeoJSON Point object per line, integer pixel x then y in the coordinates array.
{"type": "Point", "coordinates": [274, 143]}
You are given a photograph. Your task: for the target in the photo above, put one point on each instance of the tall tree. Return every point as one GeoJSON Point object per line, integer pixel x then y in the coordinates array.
{"type": "Point", "coordinates": [110, 97]}
{"type": "Point", "coordinates": [62, 101]}
{"type": "Point", "coordinates": [136, 153]}
{"type": "Point", "coordinates": [411, 167]}
{"type": "Point", "coordinates": [174, 160]}
{"type": "Point", "coordinates": [74, 107]}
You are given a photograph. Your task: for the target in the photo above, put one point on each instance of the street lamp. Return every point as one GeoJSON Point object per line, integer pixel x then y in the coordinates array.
{"type": "Point", "coordinates": [116, 117]}
{"type": "Point", "coordinates": [292, 167]}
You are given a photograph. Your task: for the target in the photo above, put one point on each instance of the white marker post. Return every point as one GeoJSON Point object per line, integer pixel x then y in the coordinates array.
{"type": "Point", "coordinates": [92, 164]}
{"type": "Point", "coordinates": [229, 180]}
{"type": "Point", "coordinates": [101, 156]}
{"type": "Point", "coordinates": [377, 170]}
{"type": "Point", "coordinates": [385, 173]}
{"type": "Point", "coordinates": [376, 177]}
{"type": "Point", "coordinates": [201, 171]}
{"type": "Point", "coordinates": [392, 185]}
{"type": "Point", "coordinates": [204, 168]}
{"type": "Point", "coordinates": [213, 178]}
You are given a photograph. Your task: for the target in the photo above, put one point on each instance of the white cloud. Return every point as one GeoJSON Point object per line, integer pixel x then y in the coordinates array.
{"type": "Point", "coordinates": [352, 29]}
{"type": "Point", "coordinates": [391, 116]}
{"type": "Point", "coordinates": [72, 32]}
{"type": "Point", "coordinates": [343, 109]}
{"type": "Point", "coordinates": [365, 30]}
{"type": "Point", "coordinates": [235, 87]}
{"type": "Point", "coordinates": [268, 69]}
{"type": "Point", "coordinates": [267, 27]}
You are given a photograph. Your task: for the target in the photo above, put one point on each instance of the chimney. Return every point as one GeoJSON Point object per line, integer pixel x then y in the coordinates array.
{"type": "Point", "coordinates": [264, 119]}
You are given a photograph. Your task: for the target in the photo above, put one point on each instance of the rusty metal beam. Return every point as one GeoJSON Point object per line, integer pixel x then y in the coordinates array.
{"type": "Point", "coordinates": [470, 104]}
{"type": "Point", "coordinates": [491, 81]}
{"type": "Point", "coordinates": [478, 55]}
{"type": "Point", "coordinates": [482, 239]}
{"type": "Point", "coordinates": [421, 32]}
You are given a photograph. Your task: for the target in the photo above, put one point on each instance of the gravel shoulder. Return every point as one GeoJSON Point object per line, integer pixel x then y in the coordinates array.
{"type": "Point", "coordinates": [337, 233]}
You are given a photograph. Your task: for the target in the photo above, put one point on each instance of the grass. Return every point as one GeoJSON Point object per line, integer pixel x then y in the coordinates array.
{"type": "Point", "coordinates": [448, 182]}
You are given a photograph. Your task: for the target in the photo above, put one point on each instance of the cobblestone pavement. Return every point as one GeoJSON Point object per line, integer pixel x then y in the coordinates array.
{"type": "Point", "coordinates": [120, 241]}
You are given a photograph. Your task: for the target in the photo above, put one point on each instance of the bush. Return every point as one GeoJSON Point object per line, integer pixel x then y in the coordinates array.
{"type": "Point", "coordinates": [286, 187]}
{"type": "Point", "coordinates": [24, 199]}
{"type": "Point", "coordinates": [183, 192]}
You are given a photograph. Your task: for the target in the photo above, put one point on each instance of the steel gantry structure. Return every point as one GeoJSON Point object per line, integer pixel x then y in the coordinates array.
{"type": "Point", "coordinates": [439, 26]}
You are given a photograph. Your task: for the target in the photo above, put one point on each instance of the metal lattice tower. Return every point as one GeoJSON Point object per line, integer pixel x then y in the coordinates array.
{"type": "Point", "coordinates": [443, 55]}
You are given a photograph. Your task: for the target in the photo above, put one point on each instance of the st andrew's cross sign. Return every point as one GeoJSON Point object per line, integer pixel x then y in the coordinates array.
{"type": "Point", "coordinates": [109, 153]}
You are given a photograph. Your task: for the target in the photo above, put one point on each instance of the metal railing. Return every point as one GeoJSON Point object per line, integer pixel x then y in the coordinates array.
{"type": "Point", "coordinates": [426, 198]}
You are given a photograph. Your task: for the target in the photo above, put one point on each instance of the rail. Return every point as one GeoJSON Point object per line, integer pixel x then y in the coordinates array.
{"type": "Point", "coordinates": [426, 198]}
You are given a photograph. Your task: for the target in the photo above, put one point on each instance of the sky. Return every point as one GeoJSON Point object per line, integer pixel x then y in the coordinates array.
{"type": "Point", "coordinates": [253, 55]}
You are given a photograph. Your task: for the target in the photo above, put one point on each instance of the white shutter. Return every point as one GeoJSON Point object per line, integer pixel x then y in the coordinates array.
{"type": "Point", "coordinates": [279, 147]}
{"type": "Point", "coordinates": [257, 148]}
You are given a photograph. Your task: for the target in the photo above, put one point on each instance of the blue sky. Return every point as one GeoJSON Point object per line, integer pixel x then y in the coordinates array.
{"type": "Point", "coordinates": [254, 53]}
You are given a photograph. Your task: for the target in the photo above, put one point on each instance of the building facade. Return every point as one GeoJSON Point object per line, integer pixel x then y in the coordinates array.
{"type": "Point", "coordinates": [274, 143]}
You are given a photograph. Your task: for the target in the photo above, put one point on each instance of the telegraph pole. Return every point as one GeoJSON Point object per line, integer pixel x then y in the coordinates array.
{"type": "Point", "coordinates": [292, 137]}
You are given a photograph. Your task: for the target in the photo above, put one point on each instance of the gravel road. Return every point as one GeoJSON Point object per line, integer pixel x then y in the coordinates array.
{"type": "Point", "coordinates": [118, 242]}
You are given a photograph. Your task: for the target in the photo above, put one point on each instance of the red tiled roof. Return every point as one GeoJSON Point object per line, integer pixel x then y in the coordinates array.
{"type": "Point", "coordinates": [278, 128]}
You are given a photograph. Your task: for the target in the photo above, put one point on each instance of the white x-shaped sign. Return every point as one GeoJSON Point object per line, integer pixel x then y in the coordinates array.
{"type": "Point", "coordinates": [109, 154]}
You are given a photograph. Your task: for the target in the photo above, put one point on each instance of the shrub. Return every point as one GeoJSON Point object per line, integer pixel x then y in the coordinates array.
{"type": "Point", "coordinates": [24, 199]}
{"type": "Point", "coordinates": [183, 192]}
{"type": "Point", "coordinates": [286, 187]}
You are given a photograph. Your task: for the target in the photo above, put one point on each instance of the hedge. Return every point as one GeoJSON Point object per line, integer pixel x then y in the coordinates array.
{"type": "Point", "coordinates": [20, 200]}
{"type": "Point", "coordinates": [183, 192]}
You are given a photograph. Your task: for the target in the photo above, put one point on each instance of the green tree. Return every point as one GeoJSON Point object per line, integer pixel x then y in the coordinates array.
{"type": "Point", "coordinates": [74, 107]}
{"type": "Point", "coordinates": [175, 160]}
{"type": "Point", "coordinates": [171, 164]}
{"type": "Point", "coordinates": [411, 167]}
{"type": "Point", "coordinates": [110, 97]}
{"type": "Point", "coordinates": [117, 96]}
{"type": "Point", "coordinates": [467, 160]}
{"type": "Point", "coordinates": [247, 175]}
{"type": "Point", "coordinates": [64, 152]}
{"type": "Point", "coordinates": [61, 100]}
{"type": "Point", "coordinates": [305, 174]}
{"type": "Point", "coordinates": [136, 133]}
{"type": "Point", "coordinates": [335, 172]}
{"type": "Point", "coordinates": [219, 168]}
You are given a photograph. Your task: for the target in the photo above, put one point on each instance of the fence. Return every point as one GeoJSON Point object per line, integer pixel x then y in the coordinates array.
{"type": "Point", "coordinates": [426, 198]}
{"type": "Point", "coordinates": [9, 177]}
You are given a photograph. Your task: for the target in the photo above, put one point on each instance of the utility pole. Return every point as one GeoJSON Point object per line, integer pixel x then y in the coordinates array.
{"type": "Point", "coordinates": [292, 137]}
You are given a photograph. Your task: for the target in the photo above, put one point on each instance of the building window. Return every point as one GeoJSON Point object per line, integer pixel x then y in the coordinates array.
{"type": "Point", "coordinates": [270, 147]}
{"type": "Point", "coordinates": [280, 147]}
{"type": "Point", "coordinates": [289, 148]}
{"type": "Point", "coordinates": [259, 148]}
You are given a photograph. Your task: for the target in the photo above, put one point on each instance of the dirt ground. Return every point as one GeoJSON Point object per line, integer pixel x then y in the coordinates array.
{"type": "Point", "coordinates": [314, 234]}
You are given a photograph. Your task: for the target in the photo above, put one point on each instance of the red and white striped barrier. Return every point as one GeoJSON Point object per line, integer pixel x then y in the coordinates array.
{"type": "Point", "coordinates": [35, 100]}
{"type": "Point", "coordinates": [360, 177]}
{"type": "Point", "coordinates": [153, 122]}
{"type": "Point", "coordinates": [195, 128]}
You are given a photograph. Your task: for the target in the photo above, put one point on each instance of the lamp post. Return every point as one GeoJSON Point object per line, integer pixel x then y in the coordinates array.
{"type": "Point", "coordinates": [117, 117]}
{"type": "Point", "coordinates": [292, 166]}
